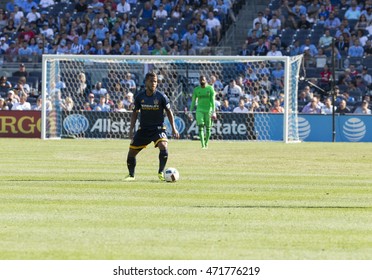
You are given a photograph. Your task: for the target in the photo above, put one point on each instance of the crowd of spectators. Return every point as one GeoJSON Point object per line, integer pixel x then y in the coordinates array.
{"type": "Point", "coordinates": [310, 28]}
{"type": "Point", "coordinates": [117, 97]}
{"type": "Point", "coordinates": [30, 28]}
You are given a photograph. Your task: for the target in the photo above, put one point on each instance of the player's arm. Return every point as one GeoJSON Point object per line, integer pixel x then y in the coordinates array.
{"type": "Point", "coordinates": [193, 100]}
{"type": "Point", "coordinates": [133, 120]}
{"type": "Point", "coordinates": [213, 103]}
{"type": "Point", "coordinates": [171, 121]}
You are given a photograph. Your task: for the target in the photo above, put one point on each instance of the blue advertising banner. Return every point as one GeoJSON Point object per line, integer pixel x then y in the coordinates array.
{"type": "Point", "coordinates": [90, 124]}
{"type": "Point", "coordinates": [228, 126]}
{"type": "Point", "coordinates": [349, 128]}
{"type": "Point", "coordinates": [356, 128]}
{"type": "Point", "coordinates": [268, 126]}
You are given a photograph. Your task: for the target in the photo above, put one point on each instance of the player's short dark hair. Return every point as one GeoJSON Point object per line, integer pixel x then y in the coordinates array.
{"type": "Point", "coordinates": [150, 74]}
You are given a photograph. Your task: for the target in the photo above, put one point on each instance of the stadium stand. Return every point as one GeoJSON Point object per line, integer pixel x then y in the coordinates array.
{"type": "Point", "coordinates": [61, 18]}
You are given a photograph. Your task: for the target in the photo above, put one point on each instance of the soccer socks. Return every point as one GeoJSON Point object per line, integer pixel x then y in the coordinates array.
{"type": "Point", "coordinates": [131, 163]}
{"type": "Point", "coordinates": [201, 135]}
{"type": "Point", "coordinates": [207, 135]}
{"type": "Point", "coordinates": [163, 157]}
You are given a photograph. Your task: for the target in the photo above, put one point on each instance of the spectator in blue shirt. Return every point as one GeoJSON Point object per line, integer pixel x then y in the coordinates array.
{"type": "Point", "coordinates": [201, 41]}
{"type": "Point", "coordinates": [190, 35]}
{"type": "Point", "coordinates": [25, 52]}
{"type": "Point", "coordinates": [299, 8]}
{"type": "Point", "coordinates": [278, 72]}
{"type": "Point", "coordinates": [27, 6]}
{"type": "Point", "coordinates": [19, 3]}
{"type": "Point", "coordinates": [10, 6]}
{"type": "Point", "coordinates": [147, 11]}
{"type": "Point", "coordinates": [353, 12]}
{"type": "Point", "coordinates": [135, 47]}
{"type": "Point", "coordinates": [295, 49]}
{"type": "Point", "coordinates": [101, 30]}
{"type": "Point", "coordinates": [96, 5]}
{"type": "Point", "coordinates": [356, 50]}
{"type": "Point", "coordinates": [332, 22]}
{"type": "Point", "coordinates": [312, 48]}
{"type": "Point", "coordinates": [102, 106]}
{"type": "Point", "coordinates": [173, 35]}
{"type": "Point", "coordinates": [39, 48]}
{"type": "Point", "coordinates": [323, 13]}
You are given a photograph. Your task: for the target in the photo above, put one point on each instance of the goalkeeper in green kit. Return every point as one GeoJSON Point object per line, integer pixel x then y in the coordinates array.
{"type": "Point", "coordinates": [204, 97]}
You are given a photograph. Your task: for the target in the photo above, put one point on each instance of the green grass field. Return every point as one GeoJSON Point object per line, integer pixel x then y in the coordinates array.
{"type": "Point", "coordinates": [237, 200]}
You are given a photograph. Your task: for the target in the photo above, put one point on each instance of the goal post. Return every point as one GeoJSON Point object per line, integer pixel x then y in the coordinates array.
{"type": "Point", "coordinates": [68, 81]}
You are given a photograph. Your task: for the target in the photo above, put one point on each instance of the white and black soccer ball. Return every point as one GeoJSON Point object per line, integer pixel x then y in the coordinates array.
{"type": "Point", "coordinates": [171, 174]}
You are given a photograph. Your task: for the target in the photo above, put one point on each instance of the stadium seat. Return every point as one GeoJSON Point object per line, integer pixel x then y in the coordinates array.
{"type": "Point", "coordinates": [357, 61]}
{"type": "Point", "coordinates": [368, 62]}
{"type": "Point", "coordinates": [301, 35]}
{"type": "Point", "coordinates": [274, 5]}
{"type": "Point", "coordinates": [13, 80]}
{"type": "Point", "coordinates": [312, 73]}
{"type": "Point", "coordinates": [57, 9]}
{"type": "Point", "coordinates": [287, 36]}
{"type": "Point", "coordinates": [352, 23]}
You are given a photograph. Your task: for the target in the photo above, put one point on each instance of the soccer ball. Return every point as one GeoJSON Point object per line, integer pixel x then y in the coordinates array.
{"type": "Point", "coordinates": [171, 174]}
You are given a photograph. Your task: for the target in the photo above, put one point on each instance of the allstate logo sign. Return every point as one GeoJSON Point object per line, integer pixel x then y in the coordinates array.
{"type": "Point", "coordinates": [76, 124]}
{"type": "Point", "coordinates": [354, 129]}
{"type": "Point", "coordinates": [180, 125]}
{"type": "Point", "coordinates": [304, 128]}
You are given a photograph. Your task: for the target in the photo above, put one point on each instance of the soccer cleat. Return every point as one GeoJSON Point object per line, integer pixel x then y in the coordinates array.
{"type": "Point", "coordinates": [161, 176]}
{"type": "Point", "coordinates": [129, 178]}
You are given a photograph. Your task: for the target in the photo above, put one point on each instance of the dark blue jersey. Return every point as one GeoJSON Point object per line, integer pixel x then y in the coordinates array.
{"type": "Point", "coordinates": [152, 108]}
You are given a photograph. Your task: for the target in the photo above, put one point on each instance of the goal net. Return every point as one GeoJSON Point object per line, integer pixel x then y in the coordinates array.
{"type": "Point", "coordinates": [91, 96]}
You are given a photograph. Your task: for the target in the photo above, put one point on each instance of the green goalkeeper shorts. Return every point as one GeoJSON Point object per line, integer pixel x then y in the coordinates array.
{"type": "Point", "coordinates": [203, 118]}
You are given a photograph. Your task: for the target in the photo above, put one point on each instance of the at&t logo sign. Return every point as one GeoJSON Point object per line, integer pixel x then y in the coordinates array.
{"type": "Point", "coordinates": [354, 129]}
{"type": "Point", "coordinates": [304, 128]}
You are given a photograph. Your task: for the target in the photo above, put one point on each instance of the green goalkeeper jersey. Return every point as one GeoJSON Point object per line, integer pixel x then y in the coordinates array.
{"type": "Point", "coordinates": [204, 98]}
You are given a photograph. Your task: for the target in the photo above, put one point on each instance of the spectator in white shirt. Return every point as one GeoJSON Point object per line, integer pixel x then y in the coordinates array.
{"type": "Point", "coordinates": [22, 105]}
{"type": "Point", "coordinates": [47, 31]}
{"type": "Point", "coordinates": [260, 19]}
{"type": "Point", "coordinates": [123, 7]}
{"type": "Point", "coordinates": [18, 15]}
{"type": "Point", "coordinates": [33, 16]}
{"type": "Point", "coordinates": [213, 26]}
{"type": "Point", "coordinates": [22, 86]}
{"type": "Point", "coordinates": [274, 25]}
{"type": "Point", "coordinates": [233, 92]}
{"type": "Point", "coordinates": [99, 90]}
{"type": "Point", "coordinates": [76, 47]}
{"type": "Point", "coordinates": [161, 13]}
{"type": "Point", "coordinates": [327, 107]}
{"type": "Point", "coordinates": [46, 3]}
{"type": "Point", "coordinates": [3, 45]}
{"type": "Point", "coordinates": [363, 109]}
{"type": "Point", "coordinates": [241, 108]}
{"type": "Point", "coordinates": [274, 51]}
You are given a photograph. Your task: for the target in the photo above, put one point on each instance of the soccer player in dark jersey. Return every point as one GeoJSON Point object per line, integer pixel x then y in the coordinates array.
{"type": "Point", "coordinates": [152, 104]}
